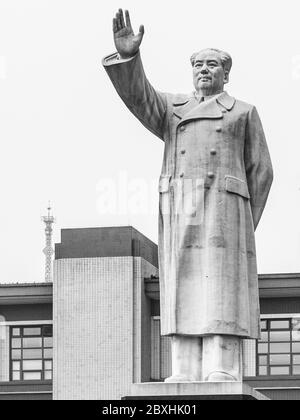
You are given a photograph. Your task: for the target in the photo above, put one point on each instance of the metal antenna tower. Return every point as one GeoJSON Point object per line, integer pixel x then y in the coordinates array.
{"type": "Point", "coordinates": [48, 250]}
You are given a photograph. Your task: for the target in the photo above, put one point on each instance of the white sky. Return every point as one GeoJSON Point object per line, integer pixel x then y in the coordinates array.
{"type": "Point", "coordinates": [63, 129]}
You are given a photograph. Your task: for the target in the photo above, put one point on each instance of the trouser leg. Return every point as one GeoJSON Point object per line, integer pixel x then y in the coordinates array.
{"type": "Point", "coordinates": [222, 358]}
{"type": "Point", "coordinates": [186, 359]}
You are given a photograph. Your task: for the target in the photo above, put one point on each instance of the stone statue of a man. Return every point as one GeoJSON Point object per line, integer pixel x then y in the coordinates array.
{"type": "Point", "coordinates": [215, 180]}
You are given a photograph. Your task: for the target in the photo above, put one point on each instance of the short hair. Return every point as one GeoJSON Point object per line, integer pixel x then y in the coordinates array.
{"type": "Point", "coordinates": [225, 58]}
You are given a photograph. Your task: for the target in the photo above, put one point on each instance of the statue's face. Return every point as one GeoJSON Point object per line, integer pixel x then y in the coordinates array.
{"type": "Point", "coordinates": [208, 73]}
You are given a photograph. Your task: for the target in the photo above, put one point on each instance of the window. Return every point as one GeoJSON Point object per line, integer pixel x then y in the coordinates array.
{"type": "Point", "coordinates": [278, 351]}
{"type": "Point", "coordinates": [31, 353]}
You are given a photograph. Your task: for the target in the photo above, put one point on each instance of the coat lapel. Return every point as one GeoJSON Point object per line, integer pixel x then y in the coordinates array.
{"type": "Point", "coordinates": [184, 105]}
{"type": "Point", "coordinates": [189, 109]}
{"type": "Point", "coordinates": [226, 101]}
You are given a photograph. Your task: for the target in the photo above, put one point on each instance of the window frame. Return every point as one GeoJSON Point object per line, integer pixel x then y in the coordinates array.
{"type": "Point", "coordinates": [268, 355]}
{"type": "Point", "coordinates": [43, 359]}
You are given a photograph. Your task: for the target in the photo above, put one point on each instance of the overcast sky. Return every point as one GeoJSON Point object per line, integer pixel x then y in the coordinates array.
{"type": "Point", "coordinates": [65, 134]}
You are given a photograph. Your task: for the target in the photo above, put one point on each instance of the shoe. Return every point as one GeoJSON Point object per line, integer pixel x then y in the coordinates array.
{"type": "Point", "coordinates": [179, 378]}
{"type": "Point", "coordinates": [220, 377]}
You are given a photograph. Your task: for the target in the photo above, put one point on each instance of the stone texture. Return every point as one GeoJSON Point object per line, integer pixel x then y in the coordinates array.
{"type": "Point", "coordinates": [208, 273]}
{"type": "Point", "coordinates": [215, 180]}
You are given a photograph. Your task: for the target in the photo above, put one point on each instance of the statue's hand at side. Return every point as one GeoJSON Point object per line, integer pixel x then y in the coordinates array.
{"type": "Point", "coordinates": [127, 44]}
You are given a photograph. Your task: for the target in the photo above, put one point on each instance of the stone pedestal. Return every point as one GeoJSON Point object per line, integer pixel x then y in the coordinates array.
{"type": "Point", "coordinates": [194, 391]}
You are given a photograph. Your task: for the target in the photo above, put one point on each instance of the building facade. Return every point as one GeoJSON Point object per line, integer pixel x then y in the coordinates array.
{"type": "Point", "coordinates": [26, 341]}
{"type": "Point", "coordinates": [101, 312]}
{"type": "Point", "coordinates": [97, 329]}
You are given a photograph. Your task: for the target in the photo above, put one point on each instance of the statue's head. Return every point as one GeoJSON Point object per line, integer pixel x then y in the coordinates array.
{"type": "Point", "coordinates": [211, 68]}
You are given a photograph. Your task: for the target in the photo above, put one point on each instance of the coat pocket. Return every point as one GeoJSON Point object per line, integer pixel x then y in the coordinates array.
{"type": "Point", "coordinates": [236, 186]}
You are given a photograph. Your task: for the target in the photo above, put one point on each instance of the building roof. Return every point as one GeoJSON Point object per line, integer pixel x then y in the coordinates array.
{"type": "Point", "coordinates": [279, 285]}
{"type": "Point", "coordinates": [25, 293]}
{"type": "Point", "coordinates": [270, 286]}
{"type": "Point", "coordinates": [121, 241]}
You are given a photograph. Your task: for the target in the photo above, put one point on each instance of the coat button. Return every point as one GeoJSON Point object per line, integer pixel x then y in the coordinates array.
{"type": "Point", "coordinates": [224, 111]}
{"type": "Point", "coordinates": [218, 129]}
{"type": "Point", "coordinates": [213, 152]}
{"type": "Point", "coordinates": [182, 175]}
{"type": "Point", "coordinates": [210, 175]}
{"type": "Point", "coordinates": [182, 152]}
{"type": "Point", "coordinates": [182, 128]}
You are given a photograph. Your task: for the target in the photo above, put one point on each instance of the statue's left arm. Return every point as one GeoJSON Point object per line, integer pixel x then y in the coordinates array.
{"type": "Point", "coordinates": [258, 165]}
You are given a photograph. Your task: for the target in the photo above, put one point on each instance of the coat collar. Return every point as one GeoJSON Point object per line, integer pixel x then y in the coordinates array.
{"type": "Point", "coordinates": [188, 108]}
{"type": "Point", "coordinates": [226, 100]}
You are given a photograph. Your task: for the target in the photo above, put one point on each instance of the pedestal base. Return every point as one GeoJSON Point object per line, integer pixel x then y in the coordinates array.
{"type": "Point", "coordinates": [194, 391]}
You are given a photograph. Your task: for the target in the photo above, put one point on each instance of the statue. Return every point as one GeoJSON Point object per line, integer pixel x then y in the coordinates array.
{"type": "Point", "coordinates": [215, 180]}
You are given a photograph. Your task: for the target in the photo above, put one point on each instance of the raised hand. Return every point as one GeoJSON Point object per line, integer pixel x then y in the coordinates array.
{"type": "Point", "coordinates": [127, 44]}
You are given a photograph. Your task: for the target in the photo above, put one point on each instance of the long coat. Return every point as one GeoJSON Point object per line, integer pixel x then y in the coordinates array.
{"type": "Point", "coordinates": [215, 180]}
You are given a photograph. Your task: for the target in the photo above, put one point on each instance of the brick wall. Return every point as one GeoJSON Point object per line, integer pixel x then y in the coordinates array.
{"type": "Point", "coordinates": [4, 352]}
{"type": "Point", "coordinates": [97, 326]}
{"type": "Point", "coordinates": [249, 357]}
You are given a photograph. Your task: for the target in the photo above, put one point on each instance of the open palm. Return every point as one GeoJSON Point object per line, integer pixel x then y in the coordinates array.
{"type": "Point", "coordinates": [126, 42]}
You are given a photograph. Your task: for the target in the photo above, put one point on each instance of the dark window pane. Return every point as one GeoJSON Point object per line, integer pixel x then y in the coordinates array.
{"type": "Point", "coordinates": [48, 375]}
{"type": "Point", "coordinates": [263, 370]}
{"type": "Point", "coordinates": [32, 354]}
{"type": "Point", "coordinates": [296, 370]}
{"type": "Point", "coordinates": [32, 331]}
{"type": "Point", "coordinates": [280, 359]}
{"type": "Point", "coordinates": [263, 325]}
{"type": "Point", "coordinates": [47, 331]}
{"type": "Point", "coordinates": [32, 342]}
{"type": "Point", "coordinates": [16, 343]}
{"type": "Point", "coordinates": [31, 376]}
{"type": "Point", "coordinates": [48, 354]}
{"type": "Point", "coordinates": [263, 360]}
{"type": "Point", "coordinates": [262, 348]}
{"type": "Point", "coordinates": [282, 370]}
{"type": "Point", "coordinates": [280, 348]}
{"type": "Point", "coordinates": [48, 342]}
{"type": "Point", "coordinates": [32, 365]}
{"type": "Point", "coordinates": [16, 376]}
{"type": "Point", "coordinates": [16, 365]}
{"type": "Point", "coordinates": [16, 354]}
{"type": "Point", "coordinates": [16, 332]}
{"type": "Point", "coordinates": [280, 325]}
{"type": "Point", "coordinates": [296, 359]}
{"type": "Point", "coordinates": [296, 348]}
{"type": "Point", "coordinates": [280, 336]}
{"type": "Point", "coordinates": [264, 337]}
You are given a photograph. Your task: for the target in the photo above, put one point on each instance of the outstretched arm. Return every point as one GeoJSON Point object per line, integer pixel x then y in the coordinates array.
{"type": "Point", "coordinates": [126, 72]}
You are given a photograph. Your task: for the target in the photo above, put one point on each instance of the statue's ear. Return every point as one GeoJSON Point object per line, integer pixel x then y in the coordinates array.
{"type": "Point", "coordinates": [226, 76]}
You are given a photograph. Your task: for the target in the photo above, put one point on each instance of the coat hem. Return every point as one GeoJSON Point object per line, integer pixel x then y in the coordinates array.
{"type": "Point", "coordinates": [217, 332]}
